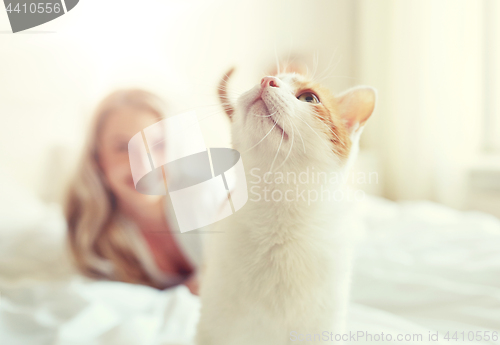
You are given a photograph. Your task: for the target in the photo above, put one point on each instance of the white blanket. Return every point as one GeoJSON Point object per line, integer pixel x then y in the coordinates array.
{"type": "Point", "coordinates": [421, 268]}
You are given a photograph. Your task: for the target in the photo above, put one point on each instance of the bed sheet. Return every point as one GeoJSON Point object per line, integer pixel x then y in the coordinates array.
{"type": "Point", "coordinates": [420, 268]}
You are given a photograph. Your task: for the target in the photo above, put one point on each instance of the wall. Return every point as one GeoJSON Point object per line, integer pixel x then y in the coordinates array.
{"type": "Point", "coordinates": [52, 76]}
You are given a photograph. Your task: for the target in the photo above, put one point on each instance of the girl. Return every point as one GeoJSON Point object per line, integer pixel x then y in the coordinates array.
{"type": "Point", "coordinates": [115, 232]}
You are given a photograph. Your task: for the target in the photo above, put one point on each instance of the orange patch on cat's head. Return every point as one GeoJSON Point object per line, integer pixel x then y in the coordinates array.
{"type": "Point", "coordinates": [327, 111]}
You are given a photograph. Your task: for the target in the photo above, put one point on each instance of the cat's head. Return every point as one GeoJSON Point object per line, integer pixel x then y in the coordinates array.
{"type": "Point", "coordinates": [288, 120]}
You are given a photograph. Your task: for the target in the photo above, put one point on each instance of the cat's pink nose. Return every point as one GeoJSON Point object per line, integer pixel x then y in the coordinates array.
{"type": "Point", "coordinates": [270, 81]}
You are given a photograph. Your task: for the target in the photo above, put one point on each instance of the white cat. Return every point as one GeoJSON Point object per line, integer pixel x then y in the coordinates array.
{"type": "Point", "coordinates": [281, 269]}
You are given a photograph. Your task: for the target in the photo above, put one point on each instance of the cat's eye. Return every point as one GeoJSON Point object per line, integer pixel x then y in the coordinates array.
{"type": "Point", "coordinates": [308, 97]}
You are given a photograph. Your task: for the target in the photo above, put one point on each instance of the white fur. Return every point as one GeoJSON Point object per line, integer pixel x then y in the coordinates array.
{"type": "Point", "coordinates": [279, 266]}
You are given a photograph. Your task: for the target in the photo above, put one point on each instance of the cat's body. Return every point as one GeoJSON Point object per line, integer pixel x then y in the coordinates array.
{"type": "Point", "coordinates": [281, 268]}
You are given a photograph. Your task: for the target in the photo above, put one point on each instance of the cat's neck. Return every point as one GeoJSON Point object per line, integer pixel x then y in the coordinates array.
{"type": "Point", "coordinates": [291, 196]}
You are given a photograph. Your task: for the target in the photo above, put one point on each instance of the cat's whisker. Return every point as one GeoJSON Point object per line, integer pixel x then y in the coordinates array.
{"type": "Point", "coordinates": [261, 139]}
{"type": "Point", "coordinates": [203, 108]}
{"type": "Point", "coordinates": [311, 128]}
{"type": "Point", "coordinates": [267, 115]}
{"type": "Point", "coordinates": [225, 99]}
{"type": "Point", "coordinates": [277, 60]}
{"type": "Point", "coordinates": [211, 114]}
{"type": "Point", "coordinates": [229, 91]}
{"type": "Point", "coordinates": [302, 139]}
{"type": "Point", "coordinates": [229, 96]}
{"type": "Point", "coordinates": [200, 120]}
{"type": "Point", "coordinates": [289, 51]}
{"type": "Point", "coordinates": [228, 103]}
{"type": "Point", "coordinates": [335, 76]}
{"type": "Point", "coordinates": [291, 146]}
{"type": "Point", "coordinates": [315, 63]}
{"type": "Point", "coordinates": [217, 86]}
{"type": "Point", "coordinates": [335, 134]}
{"type": "Point", "coordinates": [218, 105]}
{"type": "Point", "coordinates": [279, 147]}
{"type": "Point", "coordinates": [329, 75]}
{"type": "Point", "coordinates": [327, 71]}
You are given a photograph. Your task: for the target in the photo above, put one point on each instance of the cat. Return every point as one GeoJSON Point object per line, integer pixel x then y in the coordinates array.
{"type": "Point", "coordinates": [280, 270]}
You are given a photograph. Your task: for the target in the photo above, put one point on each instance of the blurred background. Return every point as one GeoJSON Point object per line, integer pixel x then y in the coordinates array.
{"type": "Point", "coordinates": [435, 134]}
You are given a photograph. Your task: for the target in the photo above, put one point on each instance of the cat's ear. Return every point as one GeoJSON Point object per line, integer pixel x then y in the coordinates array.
{"type": "Point", "coordinates": [356, 105]}
{"type": "Point", "coordinates": [222, 91]}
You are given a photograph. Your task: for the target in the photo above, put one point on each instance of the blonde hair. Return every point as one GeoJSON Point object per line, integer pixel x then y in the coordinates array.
{"type": "Point", "coordinates": [99, 247]}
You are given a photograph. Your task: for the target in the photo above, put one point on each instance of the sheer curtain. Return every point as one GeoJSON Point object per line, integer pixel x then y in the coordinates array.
{"type": "Point", "coordinates": [426, 60]}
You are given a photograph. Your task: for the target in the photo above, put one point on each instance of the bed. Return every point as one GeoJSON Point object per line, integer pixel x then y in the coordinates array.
{"type": "Point", "coordinates": [420, 268]}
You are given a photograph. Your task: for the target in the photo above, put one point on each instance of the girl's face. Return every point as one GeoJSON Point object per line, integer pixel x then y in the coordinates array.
{"type": "Point", "coordinates": [118, 128]}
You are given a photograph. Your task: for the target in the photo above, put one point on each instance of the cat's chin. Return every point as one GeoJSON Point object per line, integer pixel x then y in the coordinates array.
{"type": "Point", "coordinates": [258, 108]}
{"type": "Point", "coordinates": [261, 113]}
